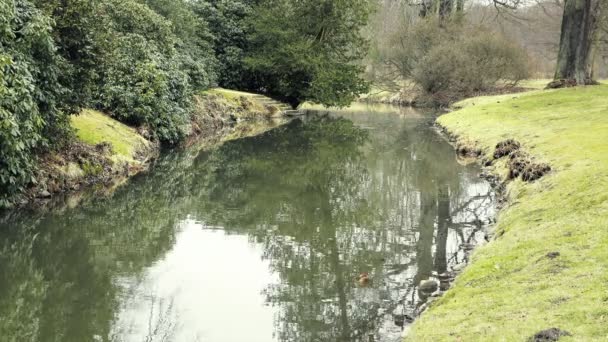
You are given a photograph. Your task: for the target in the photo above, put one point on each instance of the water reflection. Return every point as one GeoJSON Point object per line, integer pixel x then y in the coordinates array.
{"type": "Point", "coordinates": [208, 280]}
{"type": "Point", "coordinates": [259, 239]}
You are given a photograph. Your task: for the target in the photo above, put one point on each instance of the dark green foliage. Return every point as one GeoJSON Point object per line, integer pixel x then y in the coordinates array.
{"type": "Point", "coordinates": [76, 28]}
{"type": "Point", "coordinates": [308, 50]}
{"type": "Point", "coordinates": [141, 87]}
{"type": "Point", "coordinates": [31, 117]}
{"type": "Point", "coordinates": [138, 61]}
{"type": "Point", "coordinates": [194, 42]}
{"type": "Point", "coordinates": [142, 78]}
{"type": "Point", "coordinates": [141, 61]}
{"type": "Point", "coordinates": [228, 23]}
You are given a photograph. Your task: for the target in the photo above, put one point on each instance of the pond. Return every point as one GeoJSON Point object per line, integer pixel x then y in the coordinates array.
{"type": "Point", "coordinates": [259, 239]}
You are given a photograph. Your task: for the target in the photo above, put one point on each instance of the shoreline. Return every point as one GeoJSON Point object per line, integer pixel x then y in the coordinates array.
{"type": "Point", "coordinates": [410, 96]}
{"type": "Point", "coordinates": [104, 154]}
{"type": "Point", "coordinates": [526, 280]}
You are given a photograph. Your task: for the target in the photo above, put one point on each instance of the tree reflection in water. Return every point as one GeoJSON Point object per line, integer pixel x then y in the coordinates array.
{"type": "Point", "coordinates": [329, 200]}
{"type": "Point", "coordinates": [326, 197]}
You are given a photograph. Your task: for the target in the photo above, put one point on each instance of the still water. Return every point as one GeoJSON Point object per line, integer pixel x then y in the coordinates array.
{"type": "Point", "coordinates": [259, 239]}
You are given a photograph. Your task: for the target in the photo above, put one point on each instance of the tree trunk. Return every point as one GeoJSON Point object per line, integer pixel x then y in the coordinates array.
{"type": "Point", "coordinates": [443, 224]}
{"type": "Point", "coordinates": [426, 230]}
{"type": "Point", "coordinates": [445, 8]}
{"type": "Point", "coordinates": [426, 8]}
{"type": "Point", "coordinates": [579, 26]}
{"type": "Point", "coordinates": [459, 6]}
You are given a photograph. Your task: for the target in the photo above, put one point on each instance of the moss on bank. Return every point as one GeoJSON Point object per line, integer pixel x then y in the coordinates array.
{"type": "Point", "coordinates": [514, 286]}
{"type": "Point", "coordinates": [93, 128]}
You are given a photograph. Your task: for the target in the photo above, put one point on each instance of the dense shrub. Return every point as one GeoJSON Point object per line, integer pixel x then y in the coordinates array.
{"type": "Point", "coordinates": [141, 61]}
{"type": "Point", "coordinates": [471, 63]}
{"type": "Point", "coordinates": [194, 40]}
{"type": "Point", "coordinates": [310, 52]}
{"type": "Point", "coordinates": [76, 28]}
{"type": "Point", "coordinates": [142, 87]}
{"type": "Point", "coordinates": [31, 116]}
{"type": "Point", "coordinates": [228, 25]}
{"type": "Point", "coordinates": [454, 57]}
{"type": "Point", "coordinates": [143, 79]}
{"type": "Point", "coordinates": [138, 60]}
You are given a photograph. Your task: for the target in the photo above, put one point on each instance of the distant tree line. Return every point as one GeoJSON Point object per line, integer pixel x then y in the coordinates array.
{"type": "Point", "coordinates": [583, 26]}
{"type": "Point", "coordinates": [433, 48]}
{"type": "Point", "coordinates": [142, 61]}
{"type": "Point", "coordinates": [452, 48]}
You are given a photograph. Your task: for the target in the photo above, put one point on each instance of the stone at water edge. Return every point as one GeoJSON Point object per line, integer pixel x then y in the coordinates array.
{"type": "Point", "coordinates": [459, 268]}
{"type": "Point", "coordinates": [445, 276]}
{"type": "Point", "coordinates": [428, 286]}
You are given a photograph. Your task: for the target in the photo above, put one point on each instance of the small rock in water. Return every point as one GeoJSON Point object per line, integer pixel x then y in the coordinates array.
{"type": "Point", "coordinates": [445, 276]}
{"type": "Point", "coordinates": [458, 268]}
{"type": "Point", "coordinates": [428, 286]}
{"type": "Point", "coordinates": [402, 320]}
{"type": "Point", "coordinates": [399, 320]}
{"type": "Point", "coordinates": [549, 335]}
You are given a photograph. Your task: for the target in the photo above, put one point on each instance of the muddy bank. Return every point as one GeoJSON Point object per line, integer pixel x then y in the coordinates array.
{"type": "Point", "coordinates": [105, 153]}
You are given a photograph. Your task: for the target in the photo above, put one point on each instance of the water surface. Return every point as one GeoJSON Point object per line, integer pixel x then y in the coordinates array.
{"type": "Point", "coordinates": [260, 239]}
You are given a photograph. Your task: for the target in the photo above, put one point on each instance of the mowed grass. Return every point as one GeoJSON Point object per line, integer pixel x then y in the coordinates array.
{"type": "Point", "coordinates": [512, 290]}
{"type": "Point", "coordinates": [491, 99]}
{"type": "Point", "coordinates": [93, 127]}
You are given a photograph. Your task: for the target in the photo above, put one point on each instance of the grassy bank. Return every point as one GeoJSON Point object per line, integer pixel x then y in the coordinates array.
{"type": "Point", "coordinates": [410, 95]}
{"type": "Point", "coordinates": [93, 128]}
{"type": "Point", "coordinates": [255, 106]}
{"type": "Point", "coordinates": [513, 289]}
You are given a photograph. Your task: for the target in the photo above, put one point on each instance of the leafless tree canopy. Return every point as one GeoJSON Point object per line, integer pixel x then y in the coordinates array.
{"type": "Point", "coordinates": [533, 25]}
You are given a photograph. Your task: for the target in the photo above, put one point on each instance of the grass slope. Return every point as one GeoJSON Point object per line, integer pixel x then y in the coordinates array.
{"type": "Point", "coordinates": [93, 127]}
{"type": "Point", "coordinates": [512, 290]}
{"type": "Point", "coordinates": [252, 105]}
{"type": "Point", "coordinates": [230, 94]}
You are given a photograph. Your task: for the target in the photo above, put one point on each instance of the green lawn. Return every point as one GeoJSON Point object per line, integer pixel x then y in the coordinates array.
{"type": "Point", "coordinates": [512, 290]}
{"type": "Point", "coordinates": [485, 100]}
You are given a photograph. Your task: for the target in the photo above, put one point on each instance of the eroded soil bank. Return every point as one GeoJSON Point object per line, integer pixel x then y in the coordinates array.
{"type": "Point", "coordinates": [543, 275]}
